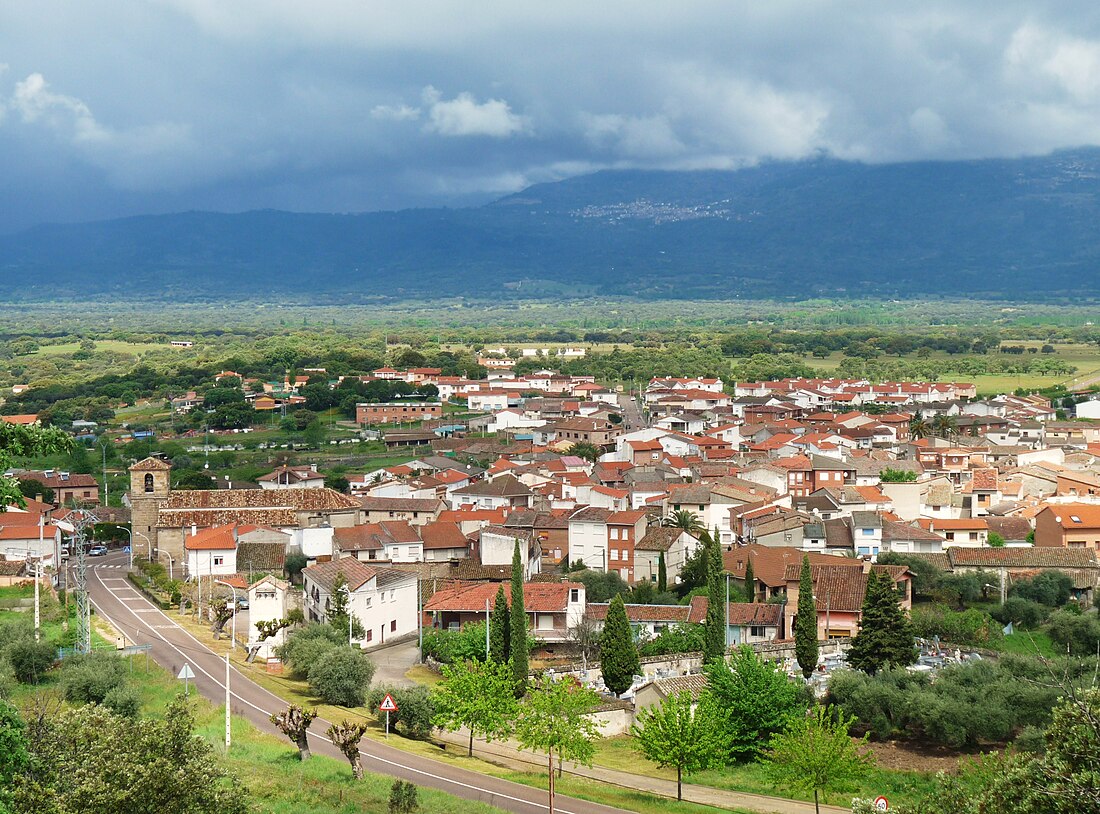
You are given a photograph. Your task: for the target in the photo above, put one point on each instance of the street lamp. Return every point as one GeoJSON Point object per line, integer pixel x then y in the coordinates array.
{"type": "Point", "coordinates": [171, 559]}
{"type": "Point", "coordinates": [234, 591]}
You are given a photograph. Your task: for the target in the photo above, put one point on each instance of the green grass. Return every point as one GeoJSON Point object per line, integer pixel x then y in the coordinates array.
{"type": "Point", "coordinates": [905, 787]}
{"type": "Point", "coordinates": [1030, 643]}
{"type": "Point", "coordinates": [105, 345]}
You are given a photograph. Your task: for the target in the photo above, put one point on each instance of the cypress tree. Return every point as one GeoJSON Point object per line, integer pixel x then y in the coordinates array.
{"type": "Point", "coordinates": [805, 623]}
{"type": "Point", "coordinates": [750, 582]}
{"type": "Point", "coordinates": [885, 637]}
{"type": "Point", "coordinates": [619, 661]}
{"type": "Point", "coordinates": [662, 573]}
{"type": "Point", "coordinates": [499, 628]}
{"type": "Point", "coordinates": [517, 632]}
{"type": "Point", "coordinates": [714, 633]}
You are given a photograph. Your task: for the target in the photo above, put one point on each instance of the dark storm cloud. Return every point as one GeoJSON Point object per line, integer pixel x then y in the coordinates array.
{"type": "Point", "coordinates": [115, 108]}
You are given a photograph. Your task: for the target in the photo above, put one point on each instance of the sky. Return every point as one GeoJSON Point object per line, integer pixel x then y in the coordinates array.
{"type": "Point", "coordinates": [119, 108]}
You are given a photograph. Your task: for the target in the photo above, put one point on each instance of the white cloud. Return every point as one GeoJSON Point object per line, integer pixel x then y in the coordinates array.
{"type": "Point", "coordinates": [1071, 62]}
{"type": "Point", "coordinates": [632, 136]}
{"type": "Point", "coordinates": [464, 116]}
{"type": "Point", "coordinates": [394, 113]}
{"type": "Point", "coordinates": [36, 102]}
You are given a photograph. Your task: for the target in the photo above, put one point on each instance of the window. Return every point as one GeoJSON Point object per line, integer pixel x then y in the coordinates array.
{"type": "Point", "coordinates": [148, 483]}
{"type": "Point", "coordinates": [219, 560]}
{"type": "Point", "coordinates": [369, 601]}
{"type": "Point", "coordinates": [867, 532]}
{"type": "Point", "coordinates": [614, 534]}
{"type": "Point", "coordinates": [614, 553]}
{"type": "Point", "coordinates": [370, 635]}
{"type": "Point", "coordinates": [758, 631]}
{"type": "Point", "coordinates": [574, 595]}
{"type": "Point", "coordinates": [393, 625]}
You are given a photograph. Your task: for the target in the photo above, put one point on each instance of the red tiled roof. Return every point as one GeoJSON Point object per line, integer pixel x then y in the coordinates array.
{"type": "Point", "coordinates": [538, 597]}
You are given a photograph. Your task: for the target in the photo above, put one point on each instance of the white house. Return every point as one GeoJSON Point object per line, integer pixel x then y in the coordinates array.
{"type": "Point", "coordinates": [384, 600]}
{"type": "Point", "coordinates": [498, 543]}
{"type": "Point", "coordinates": [292, 477]}
{"type": "Point", "coordinates": [212, 551]}
{"type": "Point", "coordinates": [269, 599]}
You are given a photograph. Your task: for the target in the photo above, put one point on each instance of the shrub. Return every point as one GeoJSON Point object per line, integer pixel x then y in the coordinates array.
{"type": "Point", "coordinates": [1050, 588]}
{"type": "Point", "coordinates": [971, 627]}
{"type": "Point", "coordinates": [306, 645]}
{"type": "Point", "coordinates": [124, 701]}
{"type": "Point", "coordinates": [7, 679]}
{"type": "Point", "coordinates": [1022, 613]}
{"type": "Point", "coordinates": [90, 679]}
{"type": "Point", "coordinates": [1078, 634]}
{"type": "Point", "coordinates": [341, 676]}
{"type": "Point", "coordinates": [415, 709]}
{"type": "Point", "coordinates": [30, 660]}
{"type": "Point", "coordinates": [450, 646]}
{"type": "Point", "coordinates": [685, 638]}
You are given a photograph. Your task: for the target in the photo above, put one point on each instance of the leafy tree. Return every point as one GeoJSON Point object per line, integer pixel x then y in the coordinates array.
{"type": "Point", "coordinates": [295, 564]}
{"type": "Point", "coordinates": [415, 708]}
{"type": "Point", "coordinates": [89, 759]}
{"type": "Point", "coordinates": [586, 450]}
{"type": "Point", "coordinates": [885, 637]}
{"type": "Point", "coordinates": [715, 625]}
{"type": "Point", "coordinates": [90, 679]}
{"type": "Point", "coordinates": [754, 700]}
{"type": "Point", "coordinates": [919, 427]}
{"type": "Point", "coordinates": [479, 696]}
{"type": "Point", "coordinates": [995, 540]}
{"type": "Point", "coordinates": [270, 627]}
{"type": "Point", "coordinates": [338, 483]}
{"type": "Point", "coordinates": [684, 638]}
{"type": "Point", "coordinates": [805, 623]}
{"type": "Point", "coordinates": [341, 676]}
{"type": "Point", "coordinates": [14, 755]}
{"type": "Point", "coordinates": [294, 722]}
{"type": "Point", "coordinates": [346, 736]}
{"type": "Point", "coordinates": [693, 574]}
{"type": "Point", "coordinates": [926, 576]}
{"type": "Point", "coordinates": [500, 628]}
{"type": "Point", "coordinates": [20, 441]}
{"type": "Point", "coordinates": [30, 660]}
{"type": "Point", "coordinates": [553, 719]}
{"type": "Point", "coordinates": [1050, 588]}
{"type": "Point", "coordinates": [1078, 634]}
{"type": "Point", "coordinates": [684, 519]}
{"type": "Point", "coordinates": [517, 626]}
{"type": "Point", "coordinates": [671, 734]}
{"type": "Point", "coordinates": [662, 573]}
{"type": "Point", "coordinates": [305, 646]}
{"type": "Point", "coordinates": [619, 661]}
{"type": "Point", "coordinates": [403, 798]}
{"type": "Point", "coordinates": [450, 646]}
{"type": "Point", "coordinates": [897, 476]}
{"type": "Point", "coordinates": [815, 753]}
{"type": "Point", "coordinates": [34, 488]}
{"type": "Point", "coordinates": [601, 586]}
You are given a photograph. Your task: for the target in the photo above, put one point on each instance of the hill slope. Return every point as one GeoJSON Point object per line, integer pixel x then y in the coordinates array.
{"type": "Point", "coordinates": [1020, 228]}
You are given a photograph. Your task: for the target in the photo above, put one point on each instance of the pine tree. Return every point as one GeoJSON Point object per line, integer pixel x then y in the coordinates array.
{"type": "Point", "coordinates": [805, 623]}
{"type": "Point", "coordinates": [750, 581]}
{"type": "Point", "coordinates": [662, 573]}
{"type": "Point", "coordinates": [619, 661]}
{"type": "Point", "coordinates": [499, 629]}
{"type": "Point", "coordinates": [517, 633]}
{"type": "Point", "coordinates": [714, 642]}
{"type": "Point", "coordinates": [885, 637]}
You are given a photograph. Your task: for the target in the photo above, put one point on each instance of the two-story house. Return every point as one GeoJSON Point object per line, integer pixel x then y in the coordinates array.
{"type": "Point", "coordinates": [384, 600]}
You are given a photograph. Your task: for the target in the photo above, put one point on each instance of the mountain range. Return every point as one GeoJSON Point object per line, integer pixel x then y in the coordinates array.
{"type": "Point", "coordinates": [1023, 228]}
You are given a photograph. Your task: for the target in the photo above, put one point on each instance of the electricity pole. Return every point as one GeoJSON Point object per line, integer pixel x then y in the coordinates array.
{"type": "Point", "coordinates": [83, 520]}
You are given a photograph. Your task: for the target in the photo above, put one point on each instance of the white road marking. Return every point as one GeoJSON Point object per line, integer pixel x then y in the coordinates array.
{"type": "Point", "coordinates": [262, 711]}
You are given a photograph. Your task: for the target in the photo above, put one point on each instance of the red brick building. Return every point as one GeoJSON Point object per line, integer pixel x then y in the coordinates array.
{"type": "Point", "coordinates": [397, 412]}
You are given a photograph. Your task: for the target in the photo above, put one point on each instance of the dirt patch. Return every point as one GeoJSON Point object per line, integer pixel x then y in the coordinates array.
{"type": "Point", "coordinates": [918, 758]}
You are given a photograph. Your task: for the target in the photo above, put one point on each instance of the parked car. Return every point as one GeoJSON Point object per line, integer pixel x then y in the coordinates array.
{"type": "Point", "coordinates": [242, 603]}
{"type": "Point", "coordinates": [97, 551]}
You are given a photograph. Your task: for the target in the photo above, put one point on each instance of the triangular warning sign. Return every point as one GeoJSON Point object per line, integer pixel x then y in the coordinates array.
{"type": "Point", "coordinates": [388, 704]}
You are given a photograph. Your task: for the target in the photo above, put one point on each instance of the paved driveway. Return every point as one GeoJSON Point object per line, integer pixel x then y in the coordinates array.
{"type": "Point", "coordinates": [392, 662]}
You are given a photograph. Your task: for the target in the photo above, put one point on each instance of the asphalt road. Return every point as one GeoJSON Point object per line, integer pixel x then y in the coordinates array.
{"type": "Point", "coordinates": [118, 602]}
{"type": "Point", "coordinates": [632, 413]}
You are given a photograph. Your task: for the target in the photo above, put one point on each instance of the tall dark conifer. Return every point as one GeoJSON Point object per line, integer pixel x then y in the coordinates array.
{"type": "Point", "coordinates": [517, 633]}
{"type": "Point", "coordinates": [500, 629]}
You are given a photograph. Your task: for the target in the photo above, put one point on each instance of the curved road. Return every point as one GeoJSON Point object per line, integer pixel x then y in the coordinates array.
{"type": "Point", "coordinates": [141, 622]}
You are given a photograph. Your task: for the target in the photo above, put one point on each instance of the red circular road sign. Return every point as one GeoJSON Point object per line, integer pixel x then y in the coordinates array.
{"type": "Point", "coordinates": [882, 804]}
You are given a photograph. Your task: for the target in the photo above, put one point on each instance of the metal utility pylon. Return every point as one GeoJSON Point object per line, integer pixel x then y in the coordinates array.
{"type": "Point", "coordinates": [82, 521]}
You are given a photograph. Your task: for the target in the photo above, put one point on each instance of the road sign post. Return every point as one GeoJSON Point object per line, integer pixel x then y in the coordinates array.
{"type": "Point", "coordinates": [185, 674]}
{"type": "Point", "coordinates": [387, 706]}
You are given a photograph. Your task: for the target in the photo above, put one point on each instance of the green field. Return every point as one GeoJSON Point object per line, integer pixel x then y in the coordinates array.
{"type": "Point", "coordinates": [110, 346]}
